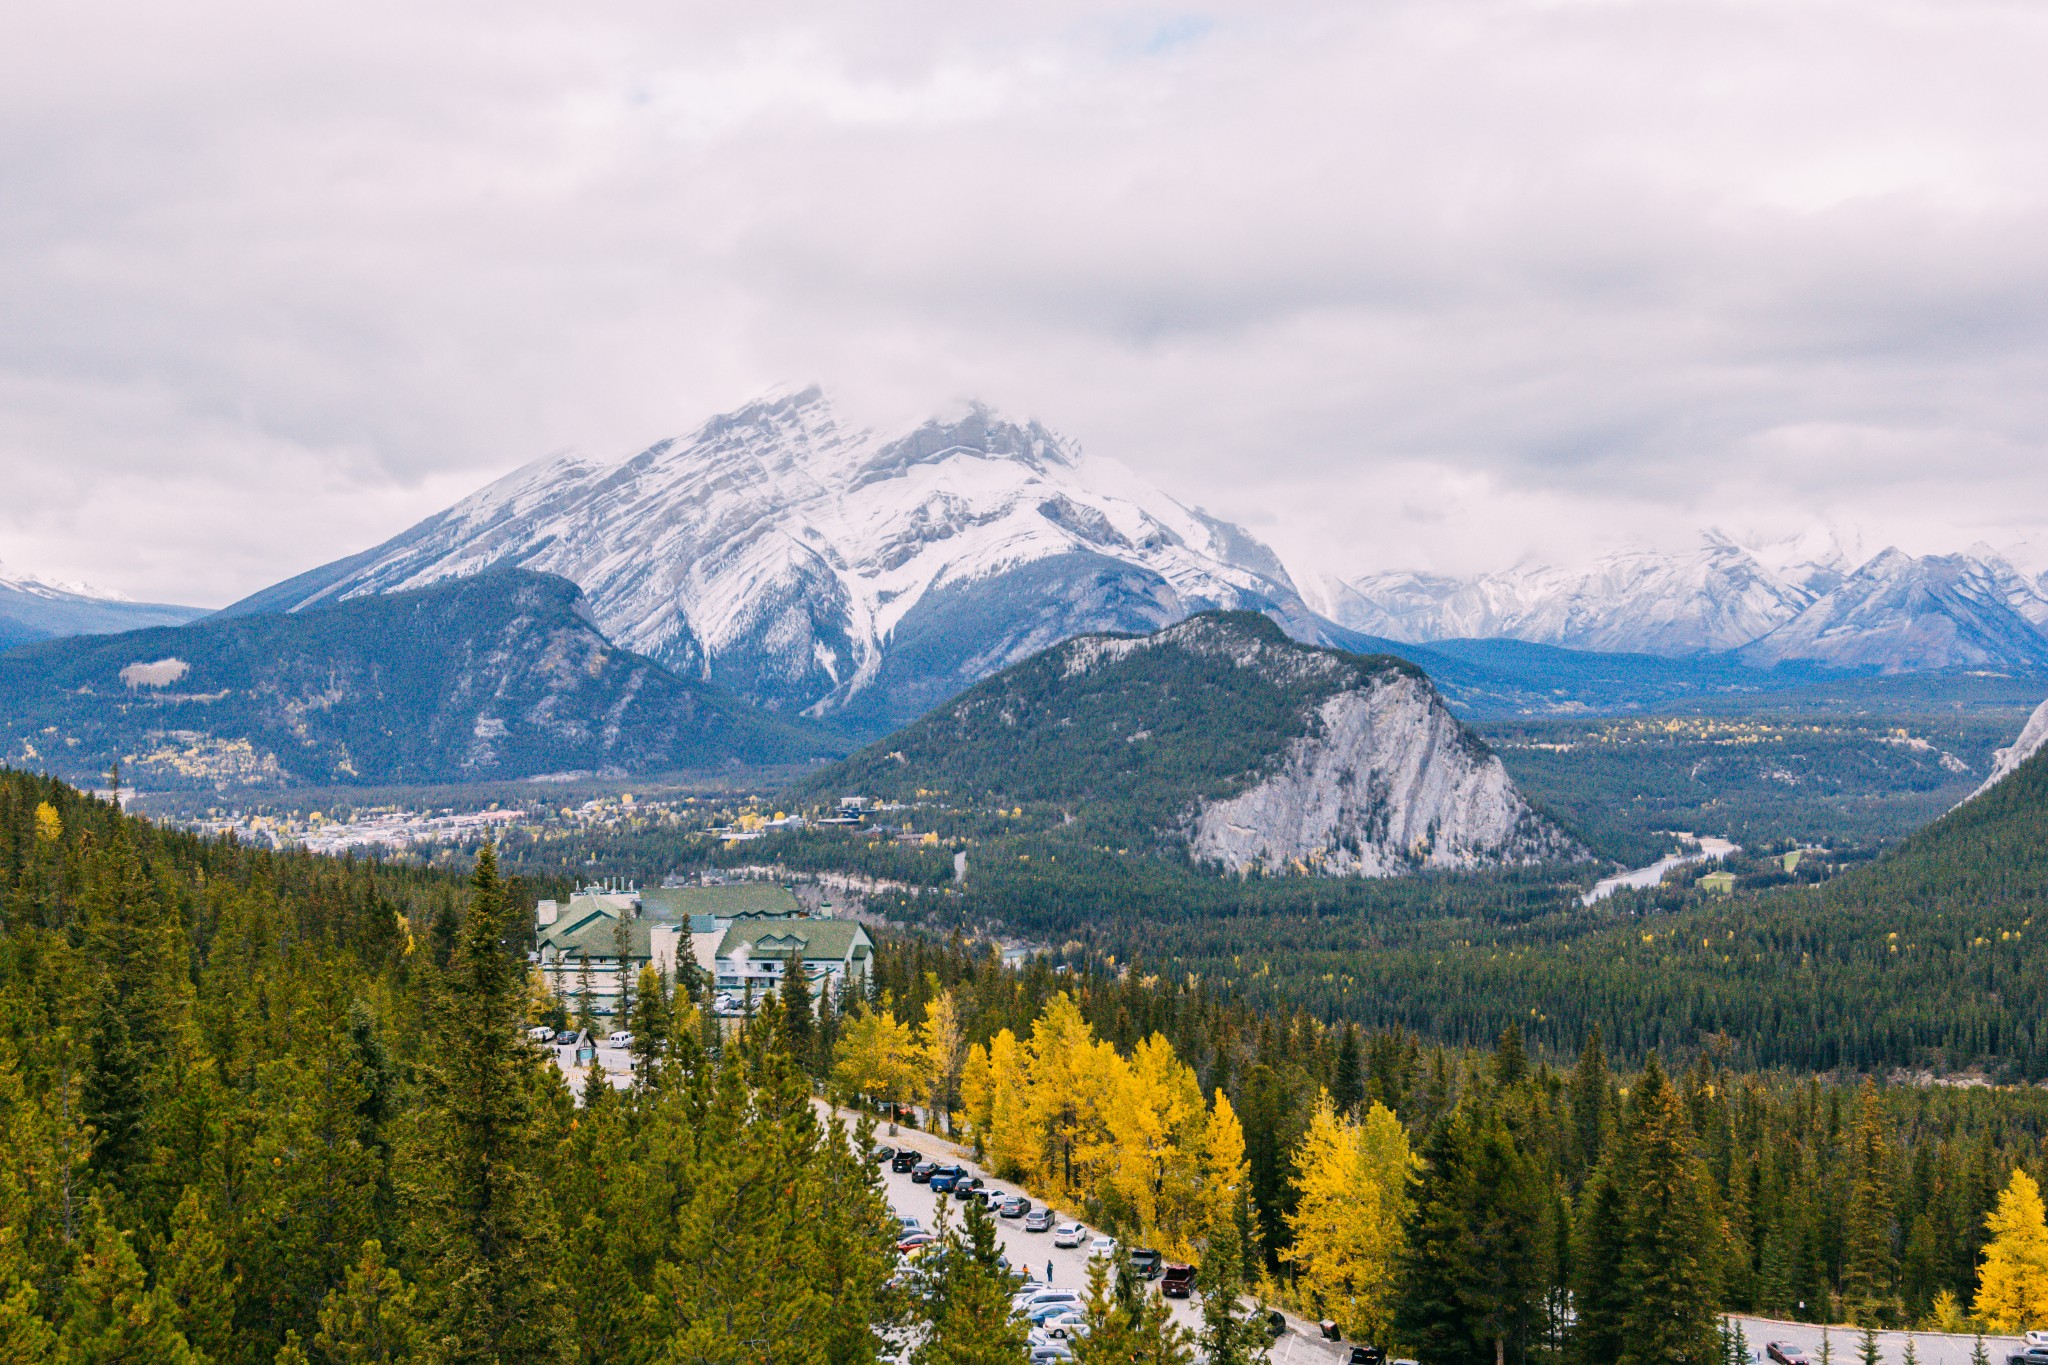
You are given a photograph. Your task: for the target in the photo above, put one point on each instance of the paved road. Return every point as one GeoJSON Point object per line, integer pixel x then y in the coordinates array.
{"type": "Point", "coordinates": [1932, 1348]}
{"type": "Point", "coordinates": [1032, 1250]}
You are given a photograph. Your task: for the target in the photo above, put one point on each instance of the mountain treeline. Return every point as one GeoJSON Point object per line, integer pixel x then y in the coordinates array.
{"type": "Point", "coordinates": [1526, 1183]}
{"type": "Point", "coordinates": [262, 1108]}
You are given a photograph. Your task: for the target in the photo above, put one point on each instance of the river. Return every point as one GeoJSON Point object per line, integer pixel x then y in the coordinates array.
{"type": "Point", "coordinates": [1710, 849]}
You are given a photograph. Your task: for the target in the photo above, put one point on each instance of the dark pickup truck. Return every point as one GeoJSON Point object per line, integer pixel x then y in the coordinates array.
{"type": "Point", "coordinates": [1178, 1282]}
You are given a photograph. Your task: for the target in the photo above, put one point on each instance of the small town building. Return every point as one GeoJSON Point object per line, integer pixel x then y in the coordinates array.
{"type": "Point", "coordinates": [736, 933]}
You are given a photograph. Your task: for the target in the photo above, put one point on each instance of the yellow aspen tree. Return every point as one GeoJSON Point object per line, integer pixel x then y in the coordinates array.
{"type": "Point", "coordinates": [2012, 1285]}
{"type": "Point", "coordinates": [1347, 1220]}
{"type": "Point", "coordinates": [1012, 1141]}
{"type": "Point", "coordinates": [1156, 1120]}
{"type": "Point", "coordinates": [876, 1057]}
{"type": "Point", "coordinates": [1061, 1056]}
{"type": "Point", "coordinates": [978, 1091]}
{"type": "Point", "coordinates": [941, 1052]}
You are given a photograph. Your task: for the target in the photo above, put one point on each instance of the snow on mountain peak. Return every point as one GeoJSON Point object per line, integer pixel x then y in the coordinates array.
{"type": "Point", "coordinates": [790, 554]}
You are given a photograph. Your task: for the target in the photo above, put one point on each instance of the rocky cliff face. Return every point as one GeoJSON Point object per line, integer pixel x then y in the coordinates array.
{"type": "Point", "coordinates": [2033, 738]}
{"type": "Point", "coordinates": [1223, 735]}
{"type": "Point", "coordinates": [1386, 782]}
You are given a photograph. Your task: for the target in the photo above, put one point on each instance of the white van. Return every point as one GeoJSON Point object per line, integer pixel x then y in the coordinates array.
{"type": "Point", "coordinates": [621, 1038]}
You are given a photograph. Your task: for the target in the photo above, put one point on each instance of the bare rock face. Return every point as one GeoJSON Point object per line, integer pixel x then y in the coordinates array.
{"type": "Point", "coordinates": [1387, 782]}
{"type": "Point", "coordinates": [2033, 738]}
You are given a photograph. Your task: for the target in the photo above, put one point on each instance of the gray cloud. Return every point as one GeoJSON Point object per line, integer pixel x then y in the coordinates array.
{"type": "Point", "coordinates": [1442, 282]}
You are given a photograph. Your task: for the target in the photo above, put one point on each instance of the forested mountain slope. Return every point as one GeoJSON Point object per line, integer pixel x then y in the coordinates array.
{"type": "Point", "coordinates": [501, 675]}
{"type": "Point", "coordinates": [1221, 733]}
{"type": "Point", "coordinates": [269, 1109]}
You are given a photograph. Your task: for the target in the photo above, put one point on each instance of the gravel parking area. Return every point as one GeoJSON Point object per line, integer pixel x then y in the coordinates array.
{"type": "Point", "coordinates": [1034, 1250]}
{"type": "Point", "coordinates": [1932, 1348]}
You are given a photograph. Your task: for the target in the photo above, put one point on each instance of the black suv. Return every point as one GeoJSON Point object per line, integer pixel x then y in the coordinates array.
{"type": "Point", "coordinates": [1147, 1263]}
{"type": "Point", "coordinates": [923, 1171]}
{"type": "Point", "coordinates": [904, 1160]}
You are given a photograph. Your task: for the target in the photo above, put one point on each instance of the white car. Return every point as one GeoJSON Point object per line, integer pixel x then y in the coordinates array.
{"type": "Point", "coordinates": [1105, 1247]}
{"type": "Point", "coordinates": [1033, 1299]}
{"type": "Point", "coordinates": [1065, 1327]}
{"type": "Point", "coordinates": [541, 1033]}
{"type": "Point", "coordinates": [1069, 1235]}
{"type": "Point", "coordinates": [620, 1038]}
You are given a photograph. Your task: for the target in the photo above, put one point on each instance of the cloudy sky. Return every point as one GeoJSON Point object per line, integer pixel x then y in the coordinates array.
{"type": "Point", "coordinates": [1440, 284]}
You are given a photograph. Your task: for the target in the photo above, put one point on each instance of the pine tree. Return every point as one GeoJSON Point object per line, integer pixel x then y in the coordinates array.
{"type": "Point", "coordinates": [1912, 1354]}
{"type": "Point", "coordinates": [970, 1317]}
{"type": "Point", "coordinates": [1667, 1270]}
{"type": "Point", "coordinates": [483, 1217]}
{"type": "Point", "coordinates": [1230, 1334]}
{"type": "Point", "coordinates": [1598, 1291]}
{"type": "Point", "coordinates": [195, 1276]}
{"type": "Point", "coordinates": [370, 1318]}
{"type": "Point", "coordinates": [1867, 1352]}
{"type": "Point", "coordinates": [110, 1316]}
{"type": "Point", "coordinates": [1869, 1267]}
{"type": "Point", "coordinates": [1978, 1355]}
{"type": "Point", "coordinates": [1592, 1101]}
{"type": "Point", "coordinates": [798, 1014]}
{"type": "Point", "coordinates": [1347, 1085]}
{"type": "Point", "coordinates": [1510, 1058]}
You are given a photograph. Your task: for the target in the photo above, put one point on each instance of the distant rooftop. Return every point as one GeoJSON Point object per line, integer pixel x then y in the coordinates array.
{"type": "Point", "coordinates": [734, 900]}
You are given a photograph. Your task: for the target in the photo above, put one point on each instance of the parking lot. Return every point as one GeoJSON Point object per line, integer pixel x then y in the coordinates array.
{"type": "Point", "coordinates": [1931, 1348]}
{"type": "Point", "coordinates": [1034, 1251]}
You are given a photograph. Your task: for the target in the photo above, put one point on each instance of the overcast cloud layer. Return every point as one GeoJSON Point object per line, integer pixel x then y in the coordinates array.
{"type": "Point", "coordinates": [1436, 284]}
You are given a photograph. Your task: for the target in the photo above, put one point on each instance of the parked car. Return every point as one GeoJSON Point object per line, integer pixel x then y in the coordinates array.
{"type": "Point", "coordinates": [1178, 1281]}
{"type": "Point", "coordinates": [1050, 1354]}
{"type": "Point", "coordinates": [882, 1154]}
{"type": "Point", "coordinates": [915, 1238]}
{"type": "Point", "coordinates": [540, 1033]}
{"type": "Point", "coordinates": [1785, 1353]}
{"type": "Point", "coordinates": [1041, 1313]}
{"type": "Point", "coordinates": [941, 1180]}
{"type": "Point", "coordinates": [1105, 1247]}
{"type": "Point", "coordinates": [1366, 1355]}
{"type": "Point", "coordinates": [1276, 1324]}
{"type": "Point", "coordinates": [904, 1160]}
{"type": "Point", "coordinates": [909, 1224]}
{"type": "Point", "coordinates": [1045, 1302]}
{"type": "Point", "coordinates": [1147, 1263]}
{"type": "Point", "coordinates": [1039, 1220]}
{"type": "Point", "coordinates": [968, 1184]}
{"type": "Point", "coordinates": [1069, 1235]}
{"type": "Point", "coordinates": [2029, 1355]}
{"type": "Point", "coordinates": [619, 1038]}
{"type": "Point", "coordinates": [921, 1173]}
{"type": "Point", "coordinates": [1016, 1206]}
{"type": "Point", "coordinates": [1063, 1327]}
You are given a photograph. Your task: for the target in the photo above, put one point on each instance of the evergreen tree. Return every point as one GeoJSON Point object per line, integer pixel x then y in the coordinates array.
{"type": "Point", "coordinates": [1510, 1058]}
{"type": "Point", "coordinates": [1230, 1333]}
{"type": "Point", "coordinates": [1347, 1085]}
{"type": "Point", "coordinates": [1869, 1267]}
{"type": "Point", "coordinates": [1667, 1270]}
{"type": "Point", "coordinates": [370, 1318]}
{"type": "Point", "coordinates": [1599, 1294]}
{"type": "Point", "coordinates": [110, 1316]}
{"type": "Point", "coordinates": [195, 1276]}
{"type": "Point", "coordinates": [1592, 1101]}
{"type": "Point", "coordinates": [486, 1231]}
{"type": "Point", "coordinates": [799, 1012]}
{"type": "Point", "coordinates": [1867, 1351]}
{"type": "Point", "coordinates": [970, 1314]}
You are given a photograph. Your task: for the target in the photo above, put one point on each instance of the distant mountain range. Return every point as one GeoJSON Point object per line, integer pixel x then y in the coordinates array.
{"type": "Point", "coordinates": [33, 608]}
{"type": "Point", "coordinates": [811, 567]}
{"type": "Point", "coordinates": [1224, 737]}
{"type": "Point", "coordinates": [496, 676]}
{"type": "Point", "coordinates": [1808, 601]}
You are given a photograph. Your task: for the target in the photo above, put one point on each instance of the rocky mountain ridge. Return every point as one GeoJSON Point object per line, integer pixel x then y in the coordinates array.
{"type": "Point", "coordinates": [810, 566]}
{"type": "Point", "coordinates": [1806, 602]}
{"type": "Point", "coordinates": [36, 608]}
{"type": "Point", "coordinates": [495, 676]}
{"type": "Point", "coordinates": [1223, 736]}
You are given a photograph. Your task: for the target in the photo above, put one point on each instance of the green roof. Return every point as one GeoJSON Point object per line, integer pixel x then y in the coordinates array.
{"type": "Point", "coordinates": [732, 901]}
{"type": "Point", "coordinates": [596, 936]}
{"type": "Point", "coordinates": [818, 939]}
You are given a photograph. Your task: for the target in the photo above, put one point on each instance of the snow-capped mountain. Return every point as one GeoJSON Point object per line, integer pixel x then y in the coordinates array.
{"type": "Point", "coordinates": [1899, 613]}
{"type": "Point", "coordinates": [812, 566]}
{"type": "Point", "coordinates": [1714, 597]}
{"type": "Point", "coordinates": [1812, 599]}
{"type": "Point", "coordinates": [36, 608]}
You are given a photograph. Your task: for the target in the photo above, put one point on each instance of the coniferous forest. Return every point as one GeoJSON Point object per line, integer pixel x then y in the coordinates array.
{"type": "Point", "coordinates": [267, 1107]}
